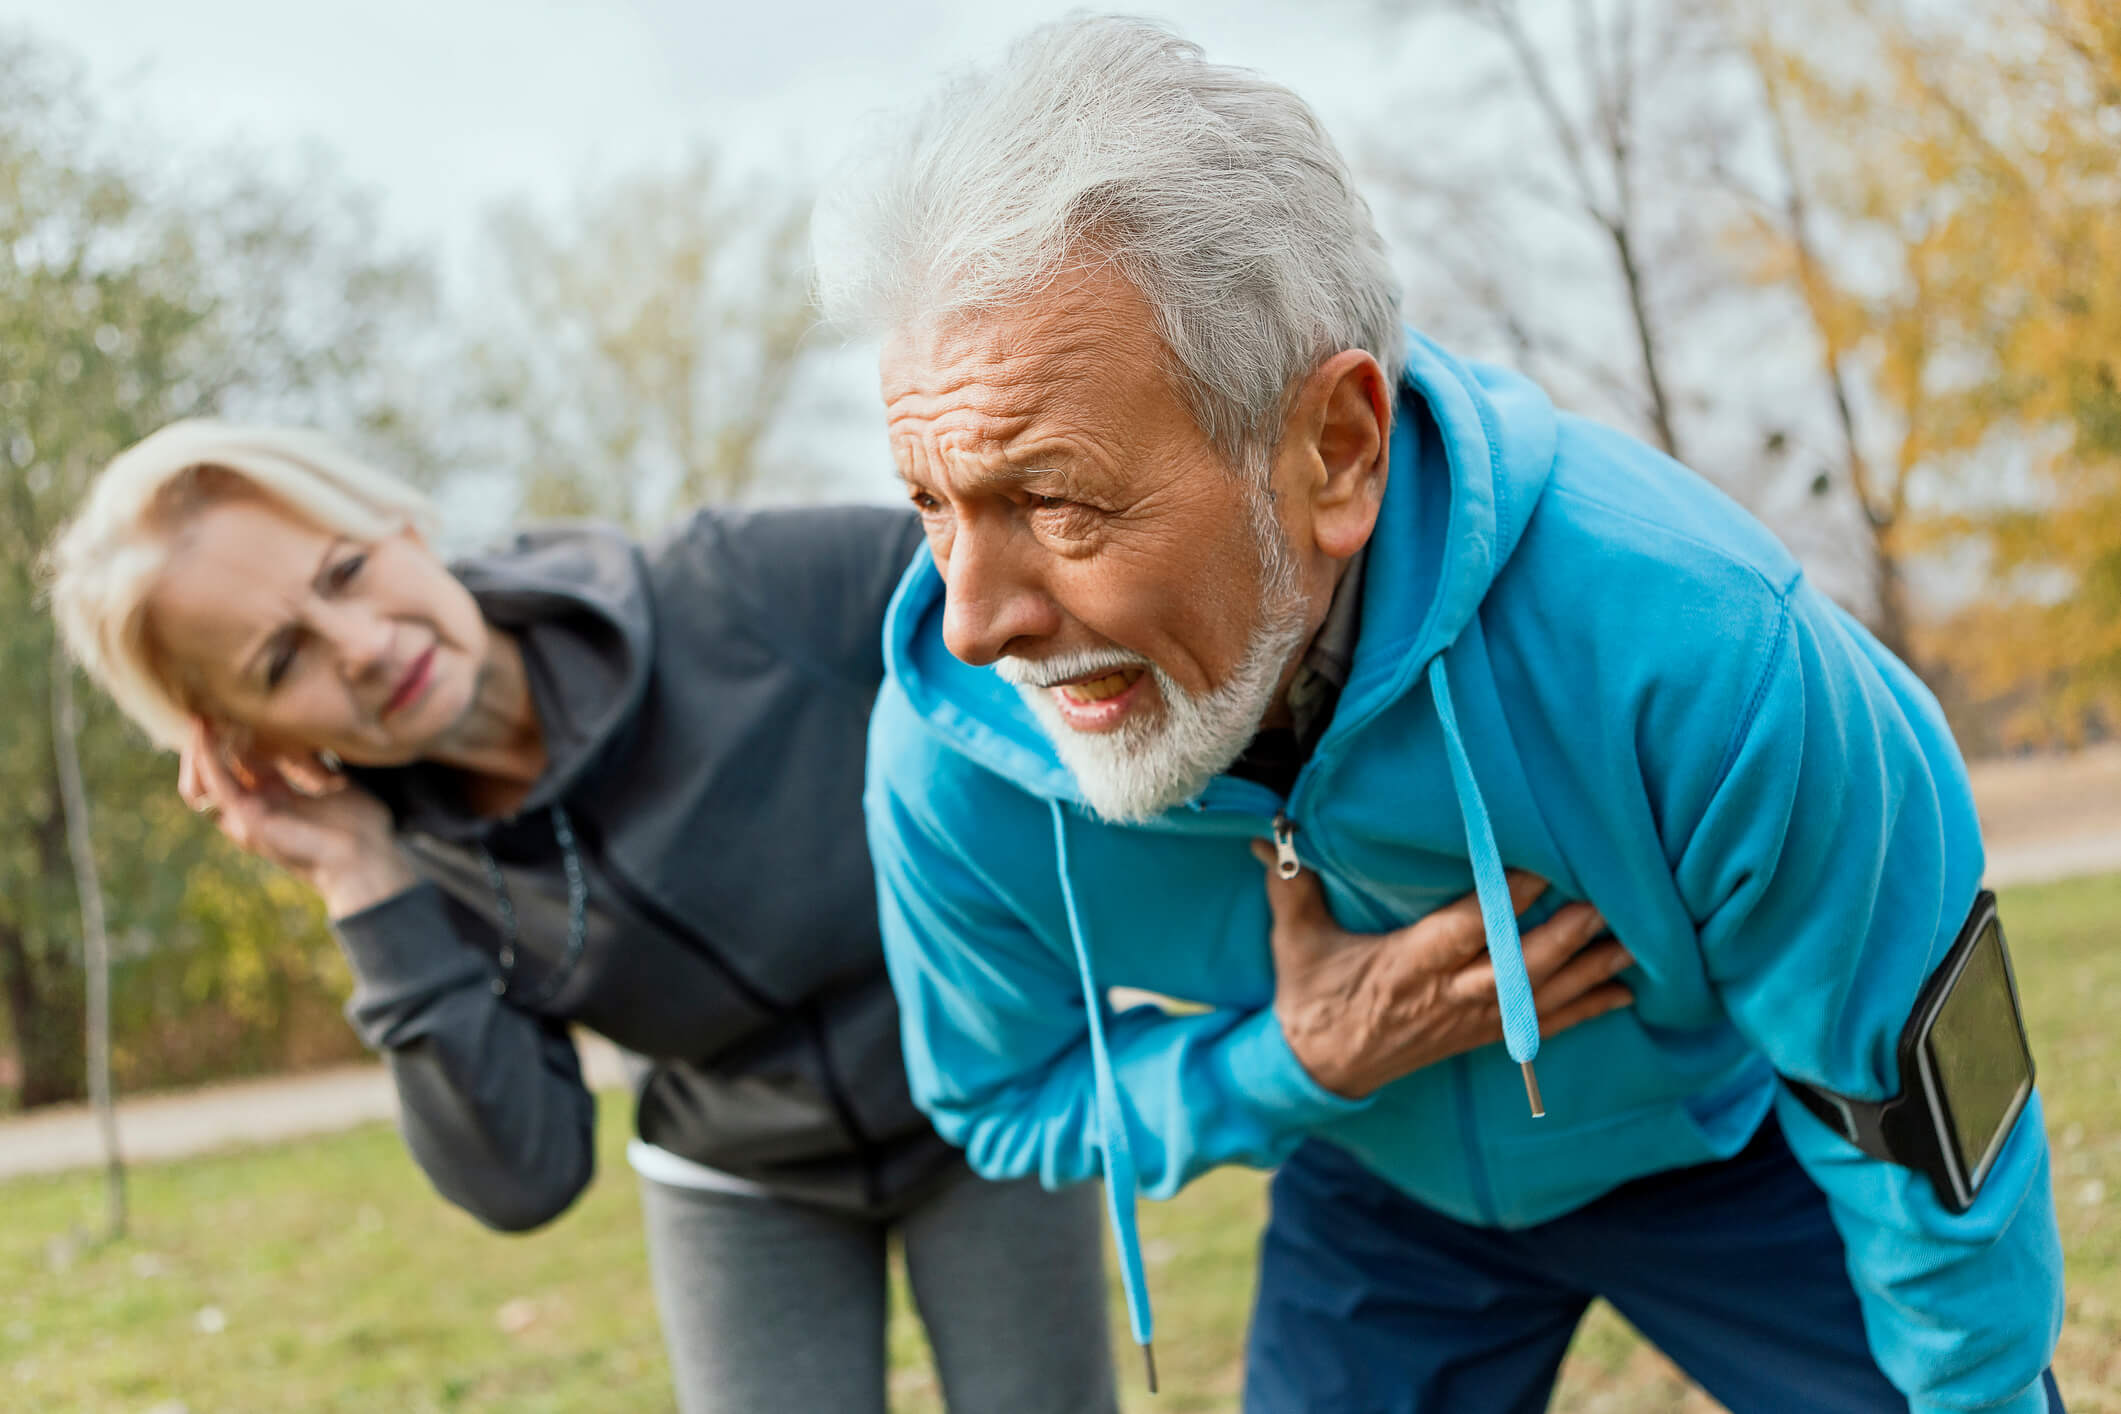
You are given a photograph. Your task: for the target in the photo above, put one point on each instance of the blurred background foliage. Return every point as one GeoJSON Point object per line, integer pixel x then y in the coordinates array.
{"type": "Point", "coordinates": [1856, 260]}
{"type": "Point", "coordinates": [126, 302]}
{"type": "Point", "coordinates": [658, 325]}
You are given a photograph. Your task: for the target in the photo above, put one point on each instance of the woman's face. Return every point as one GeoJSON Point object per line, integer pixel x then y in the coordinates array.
{"type": "Point", "coordinates": [314, 642]}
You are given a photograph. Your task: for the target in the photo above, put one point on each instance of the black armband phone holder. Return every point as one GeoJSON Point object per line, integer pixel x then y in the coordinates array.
{"type": "Point", "coordinates": [1966, 1071]}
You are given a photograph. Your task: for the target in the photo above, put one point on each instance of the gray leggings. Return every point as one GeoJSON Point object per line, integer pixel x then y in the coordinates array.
{"type": "Point", "coordinates": [772, 1307]}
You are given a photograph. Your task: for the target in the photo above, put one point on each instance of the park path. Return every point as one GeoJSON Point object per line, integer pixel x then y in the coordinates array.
{"type": "Point", "coordinates": [2045, 818]}
{"type": "Point", "coordinates": [174, 1124]}
{"type": "Point", "coordinates": [2051, 817]}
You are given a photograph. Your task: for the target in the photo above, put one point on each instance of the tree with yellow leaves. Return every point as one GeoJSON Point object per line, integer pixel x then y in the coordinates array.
{"type": "Point", "coordinates": [2049, 153]}
{"type": "Point", "coordinates": [1949, 182]}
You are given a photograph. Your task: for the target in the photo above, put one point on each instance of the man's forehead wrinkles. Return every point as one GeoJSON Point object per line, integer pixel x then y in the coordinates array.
{"type": "Point", "coordinates": [968, 463]}
{"type": "Point", "coordinates": [985, 419]}
{"type": "Point", "coordinates": [981, 401]}
{"type": "Point", "coordinates": [987, 402]}
{"type": "Point", "coordinates": [1001, 358]}
{"type": "Point", "coordinates": [957, 431]}
{"type": "Point", "coordinates": [944, 389]}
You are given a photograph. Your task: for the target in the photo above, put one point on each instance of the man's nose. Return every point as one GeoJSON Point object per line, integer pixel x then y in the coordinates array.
{"type": "Point", "coordinates": [994, 602]}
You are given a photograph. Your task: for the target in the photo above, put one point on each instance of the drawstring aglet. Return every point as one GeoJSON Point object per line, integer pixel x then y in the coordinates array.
{"type": "Point", "coordinates": [1531, 1091]}
{"type": "Point", "coordinates": [1149, 1359]}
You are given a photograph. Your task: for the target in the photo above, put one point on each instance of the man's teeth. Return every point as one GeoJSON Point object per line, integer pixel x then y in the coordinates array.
{"type": "Point", "coordinates": [1098, 689]}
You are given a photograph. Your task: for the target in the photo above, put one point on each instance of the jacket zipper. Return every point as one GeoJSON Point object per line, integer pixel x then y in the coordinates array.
{"type": "Point", "coordinates": [813, 1019]}
{"type": "Point", "coordinates": [1286, 864]}
{"type": "Point", "coordinates": [812, 1013]}
{"type": "Point", "coordinates": [663, 918]}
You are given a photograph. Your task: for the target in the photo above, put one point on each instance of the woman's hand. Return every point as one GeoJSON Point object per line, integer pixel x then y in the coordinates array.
{"type": "Point", "coordinates": [1361, 1010]}
{"type": "Point", "coordinates": [302, 817]}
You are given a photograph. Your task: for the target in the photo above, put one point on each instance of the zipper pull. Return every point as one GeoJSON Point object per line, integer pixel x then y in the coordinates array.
{"type": "Point", "coordinates": [1286, 864]}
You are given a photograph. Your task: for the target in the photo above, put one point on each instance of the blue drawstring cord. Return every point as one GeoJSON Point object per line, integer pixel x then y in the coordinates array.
{"type": "Point", "coordinates": [1513, 990]}
{"type": "Point", "coordinates": [1513, 987]}
{"type": "Point", "coordinates": [1120, 1181]}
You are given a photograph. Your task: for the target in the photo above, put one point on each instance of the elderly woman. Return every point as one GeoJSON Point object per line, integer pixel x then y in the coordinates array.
{"type": "Point", "coordinates": [583, 780]}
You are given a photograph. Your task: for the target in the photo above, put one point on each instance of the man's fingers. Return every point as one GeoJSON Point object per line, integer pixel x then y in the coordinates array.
{"type": "Point", "coordinates": [1560, 960]}
{"type": "Point", "coordinates": [1456, 934]}
{"type": "Point", "coordinates": [1452, 935]}
{"type": "Point", "coordinates": [1548, 947]}
{"type": "Point", "coordinates": [1612, 996]}
{"type": "Point", "coordinates": [1583, 974]}
{"type": "Point", "coordinates": [1525, 888]}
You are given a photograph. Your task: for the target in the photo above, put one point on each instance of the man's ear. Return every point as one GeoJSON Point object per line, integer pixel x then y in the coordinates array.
{"type": "Point", "coordinates": [1342, 422]}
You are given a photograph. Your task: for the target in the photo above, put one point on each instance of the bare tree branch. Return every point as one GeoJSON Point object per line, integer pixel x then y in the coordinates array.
{"type": "Point", "coordinates": [1610, 78]}
{"type": "Point", "coordinates": [1797, 215]}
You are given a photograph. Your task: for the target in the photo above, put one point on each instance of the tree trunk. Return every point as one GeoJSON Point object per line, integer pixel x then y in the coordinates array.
{"type": "Point", "coordinates": [1889, 589]}
{"type": "Point", "coordinates": [95, 940]}
{"type": "Point", "coordinates": [1645, 341]}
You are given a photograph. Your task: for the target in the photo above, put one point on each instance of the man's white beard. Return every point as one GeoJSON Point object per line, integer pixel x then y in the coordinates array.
{"type": "Point", "coordinates": [1150, 764]}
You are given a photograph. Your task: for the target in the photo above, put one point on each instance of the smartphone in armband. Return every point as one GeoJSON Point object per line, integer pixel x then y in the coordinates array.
{"type": "Point", "coordinates": [1966, 1071]}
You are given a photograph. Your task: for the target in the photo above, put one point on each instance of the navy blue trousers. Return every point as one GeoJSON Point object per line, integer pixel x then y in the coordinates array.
{"type": "Point", "coordinates": [1371, 1303]}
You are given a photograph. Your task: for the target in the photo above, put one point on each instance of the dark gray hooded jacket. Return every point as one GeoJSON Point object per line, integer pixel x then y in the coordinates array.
{"type": "Point", "coordinates": [705, 704]}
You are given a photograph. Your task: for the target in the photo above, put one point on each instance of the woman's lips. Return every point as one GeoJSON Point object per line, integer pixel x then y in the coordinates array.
{"type": "Point", "coordinates": [413, 683]}
{"type": "Point", "coordinates": [1098, 704]}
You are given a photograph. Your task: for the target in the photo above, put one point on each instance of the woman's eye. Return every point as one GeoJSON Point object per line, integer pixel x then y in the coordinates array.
{"type": "Point", "coordinates": [343, 572]}
{"type": "Point", "coordinates": [923, 502]}
{"type": "Point", "coordinates": [283, 658]}
{"type": "Point", "coordinates": [1046, 503]}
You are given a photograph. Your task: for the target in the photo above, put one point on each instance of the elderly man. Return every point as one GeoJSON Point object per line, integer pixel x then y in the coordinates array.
{"type": "Point", "coordinates": [1224, 560]}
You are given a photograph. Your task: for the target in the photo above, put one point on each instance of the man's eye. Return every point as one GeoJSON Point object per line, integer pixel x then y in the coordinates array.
{"type": "Point", "coordinates": [343, 572]}
{"type": "Point", "coordinates": [1046, 503]}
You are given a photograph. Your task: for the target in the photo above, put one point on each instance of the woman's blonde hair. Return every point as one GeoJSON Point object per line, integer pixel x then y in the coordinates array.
{"type": "Point", "coordinates": [103, 566]}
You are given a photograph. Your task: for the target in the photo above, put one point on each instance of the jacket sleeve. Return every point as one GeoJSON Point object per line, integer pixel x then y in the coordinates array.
{"type": "Point", "coordinates": [812, 581]}
{"type": "Point", "coordinates": [491, 1098]}
{"type": "Point", "coordinates": [997, 1039]}
{"type": "Point", "coordinates": [1835, 861]}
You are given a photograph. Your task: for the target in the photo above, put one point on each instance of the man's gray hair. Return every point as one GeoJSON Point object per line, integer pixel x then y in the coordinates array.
{"type": "Point", "coordinates": [1214, 191]}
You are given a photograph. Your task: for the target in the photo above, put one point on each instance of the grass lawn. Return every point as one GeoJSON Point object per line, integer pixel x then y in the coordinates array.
{"type": "Point", "coordinates": [323, 1275]}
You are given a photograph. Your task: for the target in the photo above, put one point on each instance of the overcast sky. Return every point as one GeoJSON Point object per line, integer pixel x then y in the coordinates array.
{"type": "Point", "coordinates": [444, 106]}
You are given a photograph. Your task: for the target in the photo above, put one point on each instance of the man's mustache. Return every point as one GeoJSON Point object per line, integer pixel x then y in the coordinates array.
{"type": "Point", "coordinates": [1066, 667]}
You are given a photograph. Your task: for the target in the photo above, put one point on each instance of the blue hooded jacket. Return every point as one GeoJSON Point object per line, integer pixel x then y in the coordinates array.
{"type": "Point", "coordinates": [1576, 658]}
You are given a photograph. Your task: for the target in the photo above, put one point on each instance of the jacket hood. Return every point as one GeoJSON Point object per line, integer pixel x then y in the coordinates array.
{"type": "Point", "coordinates": [1472, 450]}
{"type": "Point", "coordinates": [578, 600]}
